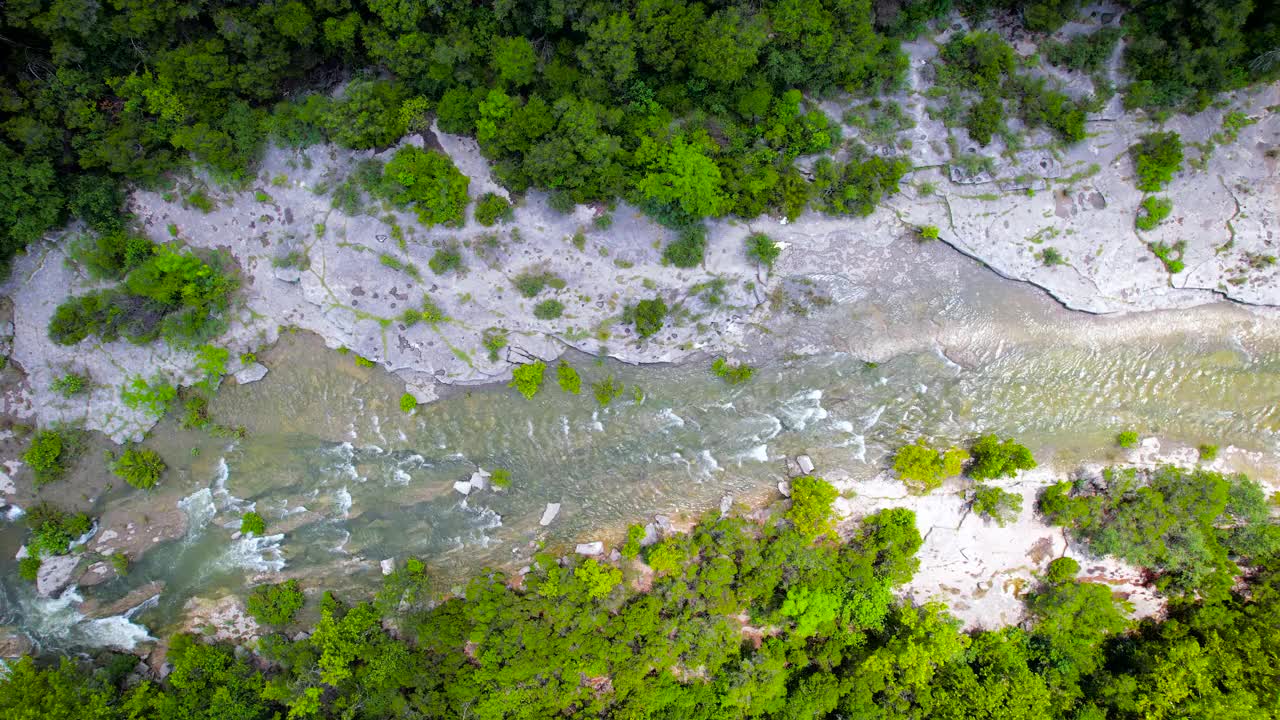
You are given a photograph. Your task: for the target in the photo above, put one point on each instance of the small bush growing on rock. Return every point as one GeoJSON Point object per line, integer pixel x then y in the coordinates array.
{"type": "Point", "coordinates": [154, 395]}
{"type": "Point", "coordinates": [70, 384]}
{"type": "Point", "coordinates": [763, 249]}
{"type": "Point", "coordinates": [994, 459]}
{"type": "Point", "coordinates": [1170, 255]}
{"type": "Point", "coordinates": [364, 362]}
{"type": "Point", "coordinates": [110, 256]}
{"type": "Point", "coordinates": [922, 468]}
{"type": "Point", "coordinates": [649, 315]}
{"type": "Point", "coordinates": [531, 283]}
{"type": "Point", "coordinates": [494, 339]}
{"type": "Point", "coordinates": [631, 548]}
{"type": "Point", "coordinates": [984, 119]}
{"type": "Point", "coordinates": [810, 511]}
{"type": "Point", "coordinates": [431, 312]}
{"type": "Point", "coordinates": [607, 390]}
{"type": "Point", "coordinates": [735, 374]}
{"type": "Point", "coordinates": [1084, 53]}
{"type": "Point", "coordinates": [1127, 439]}
{"type": "Point", "coordinates": [50, 453]}
{"type": "Point", "coordinates": [408, 403]}
{"type": "Point", "coordinates": [427, 181]}
{"type": "Point", "coordinates": [1208, 453]}
{"type": "Point", "coordinates": [252, 522]}
{"type": "Point", "coordinates": [527, 379]}
{"type": "Point", "coordinates": [687, 250]}
{"type": "Point", "coordinates": [275, 604]}
{"type": "Point", "coordinates": [501, 478]}
{"type": "Point", "coordinates": [29, 568]}
{"type": "Point", "coordinates": [140, 467]}
{"type": "Point", "coordinates": [120, 562]}
{"type": "Point", "coordinates": [1050, 256]}
{"type": "Point", "coordinates": [446, 259]}
{"type": "Point", "coordinates": [568, 378]}
{"type": "Point", "coordinates": [996, 504]}
{"type": "Point", "coordinates": [53, 531]}
{"type": "Point", "coordinates": [929, 232]}
{"type": "Point", "coordinates": [548, 310]}
{"type": "Point", "coordinates": [1156, 157]}
{"type": "Point", "coordinates": [492, 209]}
{"type": "Point", "coordinates": [1152, 212]}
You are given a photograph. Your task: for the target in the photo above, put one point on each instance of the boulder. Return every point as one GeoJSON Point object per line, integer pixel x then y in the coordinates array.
{"type": "Point", "coordinates": [549, 514]}
{"type": "Point", "coordinates": [480, 480]}
{"type": "Point", "coordinates": [253, 372]}
{"type": "Point", "coordinates": [726, 503]}
{"type": "Point", "coordinates": [55, 574]}
{"type": "Point", "coordinates": [805, 463]}
{"type": "Point", "coordinates": [288, 274]}
{"type": "Point", "coordinates": [614, 555]}
{"type": "Point", "coordinates": [388, 566]}
{"type": "Point", "coordinates": [784, 487]}
{"type": "Point", "coordinates": [463, 486]}
{"type": "Point", "coordinates": [664, 523]}
{"type": "Point", "coordinates": [591, 548]}
{"type": "Point", "coordinates": [651, 535]}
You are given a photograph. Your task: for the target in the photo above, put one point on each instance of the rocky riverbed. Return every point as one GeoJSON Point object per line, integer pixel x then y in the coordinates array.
{"type": "Point", "coordinates": [864, 287]}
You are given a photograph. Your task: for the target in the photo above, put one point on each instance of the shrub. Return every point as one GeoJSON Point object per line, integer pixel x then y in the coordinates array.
{"type": "Point", "coordinates": [607, 390]}
{"type": "Point", "coordinates": [427, 181]}
{"type": "Point", "coordinates": [53, 531]}
{"type": "Point", "coordinates": [984, 119]}
{"type": "Point", "coordinates": [29, 568]}
{"type": "Point", "coordinates": [492, 208]}
{"type": "Point", "coordinates": [155, 395]}
{"type": "Point", "coordinates": [686, 251]}
{"type": "Point", "coordinates": [631, 548]}
{"type": "Point", "coordinates": [1170, 255]}
{"type": "Point", "coordinates": [431, 312]}
{"type": "Point", "coordinates": [527, 379]}
{"type": "Point", "coordinates": [501, 478]}
{"type": "Point", "coordinates": [408, 403]}
{"type": "Point", "coordinates": [568, 378]}
{"type": "Point", "coordinates": [929, 232]}
{"type": "Point", "coordinates": [1152, 212]}
{"type": "Point", "coordinates": [1050, 256]}
{"type": "Point", "coordinates": [494, 340]}
{"type": "Point", "coordinates": [810, 511]}
{"type": "Point", "coordinates": [1208, 453]}
{"type": "Point", "coordinates": [49, 455]}
{"type": "Point", "coordinates": [275, 604]}
{"type": "Point", "coordinates": [140, 467]}
{"type": "Point", "coordinates": [446, 259]}
{"type": "Point", "coordinates": [599, 579]}
{"type": "Point", "coordinates": [996, 504]}
{"type": "Point", "coordinates": [252, 522]}
{"type": "Point", "coordinates": [1049, 15]}
{"type": "Point", "coordinates": [994, 459]}
{"type": "Point", "coordinates": [70, 384]}
{"type": "Point", "coordinates": [1061, 570]}
{"type": "Point", "coordinates": [922, 468]}
{"type": "Point", "coordinates": [733, 374]}
{"type": "Point", "coordinates": [763, 249]}
{"type": "Point", "coordinates": [531, 283]}
{"type": "Point", "coordinates": [1156, 157]}
{"type": "Point", "coordinates": [1127, 439]}
{"type": "Point", "coordinates": [1084, 53]}
{"type": "Point", "coordinates": [649, 316]}
{"type": "Point", "coordinates": [120, 562]}
{"type": "Point", "coordinates": [110, 256]}
{"type": "Point", "coordinates": [548, 310]}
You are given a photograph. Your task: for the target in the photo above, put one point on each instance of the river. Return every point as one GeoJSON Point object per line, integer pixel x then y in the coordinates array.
{"type": "Point", "coordinates": [345, 479]}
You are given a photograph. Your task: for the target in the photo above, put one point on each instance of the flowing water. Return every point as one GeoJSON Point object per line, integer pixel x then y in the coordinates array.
{"type": "Point", "coordinates": [345, 479]}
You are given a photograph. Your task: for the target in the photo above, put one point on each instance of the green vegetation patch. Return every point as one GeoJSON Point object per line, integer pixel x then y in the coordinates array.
{"type": "Point", "coordinates": [275, 604]}
{"type": "Point", "coordinates": [140, 467]}
{"type": "Point", "coordinates": [527, 379]}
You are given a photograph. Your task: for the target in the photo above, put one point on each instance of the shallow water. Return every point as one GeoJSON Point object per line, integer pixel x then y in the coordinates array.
{"type": "Point", "coordinates": [345, 479]}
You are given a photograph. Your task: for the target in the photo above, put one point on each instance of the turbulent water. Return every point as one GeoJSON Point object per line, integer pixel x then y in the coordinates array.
{"type": "Point", "coordinates": [345, 479]}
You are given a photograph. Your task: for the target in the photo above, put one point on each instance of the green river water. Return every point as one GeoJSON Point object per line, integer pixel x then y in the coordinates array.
{"type": "Point", "coordinates": [345, 479]}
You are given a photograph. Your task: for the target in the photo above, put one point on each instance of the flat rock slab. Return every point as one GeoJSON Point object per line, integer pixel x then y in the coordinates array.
{"type": "Point", "coordinates": [55, 574]}
{"type": "Point", "coordinates": [463, 486]}
{"type": "Point", "coordinates": [253, 372]}
{"type": "Point", "coordinates": [549, 514]}
{"type": "Point", "coordinates": [591, 548]}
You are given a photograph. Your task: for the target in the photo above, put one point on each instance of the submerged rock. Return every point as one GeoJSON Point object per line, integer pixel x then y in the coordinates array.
{"type": "Point", "coordinates": [55, 574]}
{"type": "Point", "coordinates": [591, 548]}
{"type": "Point", "coordinates": [253, 372]}
{"type": "Point", "coordinates": [549, 514]}
{"type": "Point", "coordinates": [805, 463]}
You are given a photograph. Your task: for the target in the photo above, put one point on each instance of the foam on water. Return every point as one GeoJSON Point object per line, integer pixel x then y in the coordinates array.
{"type": "Point", "coordinates": [56, 623]}
{"type": "Point", "coordinates": [342, 500]}
{"type": "Point", "coordinates": [759, 453]}
{"type": "Point", "coordinates": [801, 409]}
{"type": "Point", "coordinates": [670, 419]}
{"type": "Point", "coordinates": [260, 554]}
{"type": "Point", "coordinates": [13, 513]}
{"type": "Point", "coordinates": [199, 509]}
{"type": "Point", "coordinates": [400, 477]}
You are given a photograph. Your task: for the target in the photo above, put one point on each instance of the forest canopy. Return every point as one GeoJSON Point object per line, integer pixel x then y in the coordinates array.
{"type": "Point", "coordinates": [688, 109]}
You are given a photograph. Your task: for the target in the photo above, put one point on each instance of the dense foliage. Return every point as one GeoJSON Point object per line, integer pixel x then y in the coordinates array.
{"type": "Point", "coordinates": [922, 468]}
{"type": "Point", "coordinates": [275, 604]}
{"type": "Point", "coordinates": [140, 467]}
{"type": "Point", "coordinates": [1189, 526]}
{"type": "Point", "coordinates": [742, 620]}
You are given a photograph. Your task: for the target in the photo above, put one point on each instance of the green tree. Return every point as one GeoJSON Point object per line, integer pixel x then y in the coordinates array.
{"type": "Point", "coordinates": [140, 467]}
{"type": "Point", "coordinates": [993, 459]}
{"type": "Point", "coordinates": [810, 511]}
{"type": "Point", "coordinates": [527, 379]}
